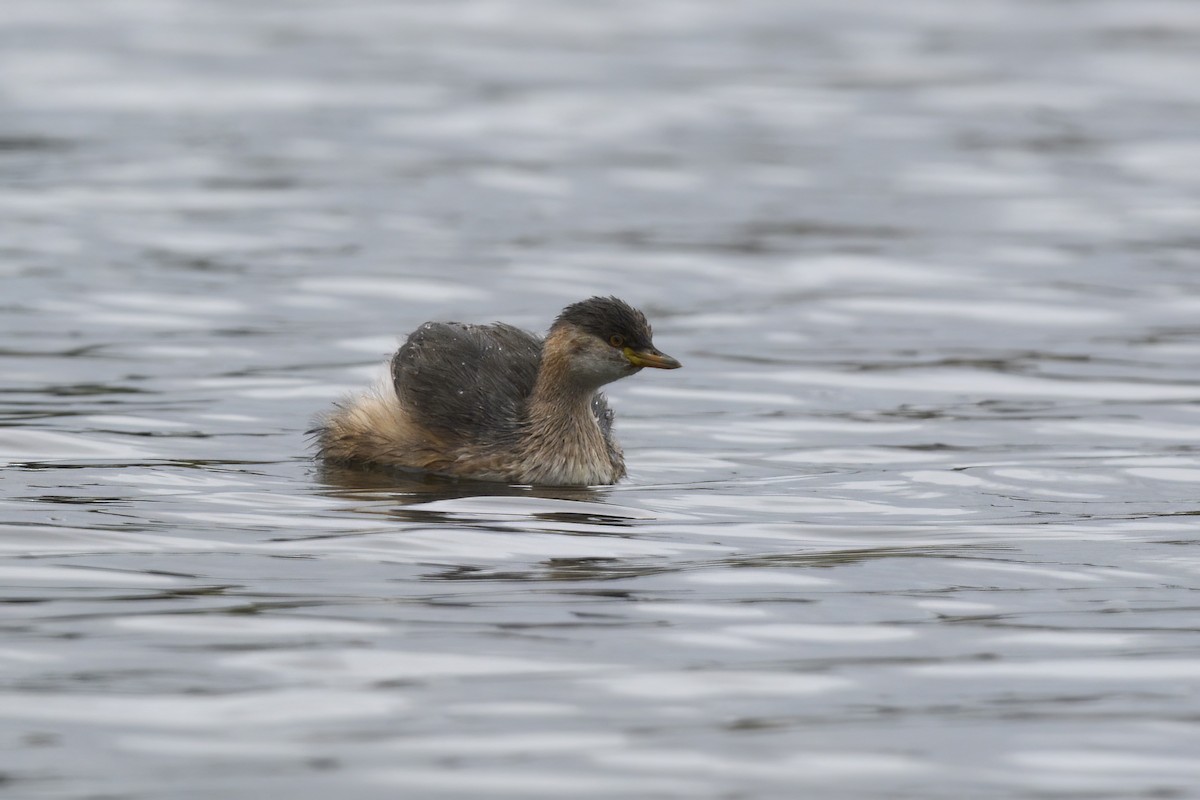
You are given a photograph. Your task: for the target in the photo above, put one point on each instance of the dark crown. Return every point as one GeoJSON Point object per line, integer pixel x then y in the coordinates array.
{"type": "Point", "coordinates": [606, 316]}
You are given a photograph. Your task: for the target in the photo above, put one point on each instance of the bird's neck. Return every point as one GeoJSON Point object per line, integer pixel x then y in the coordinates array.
{"type": "Point", "coordinates": [559, 399]}
{"type": "Point", "coordinates": [562, 438]}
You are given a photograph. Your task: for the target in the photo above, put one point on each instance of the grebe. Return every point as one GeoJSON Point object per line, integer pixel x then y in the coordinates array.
{"type": "Point", "coordinates": [493, 402]}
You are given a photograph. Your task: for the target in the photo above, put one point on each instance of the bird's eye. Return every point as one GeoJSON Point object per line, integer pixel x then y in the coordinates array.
{"type": "Point", "coordinates": [616, 340]}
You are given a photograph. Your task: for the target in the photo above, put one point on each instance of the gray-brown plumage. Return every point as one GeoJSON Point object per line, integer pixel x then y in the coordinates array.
{"type": "Point", "coordinates": [497, 403]}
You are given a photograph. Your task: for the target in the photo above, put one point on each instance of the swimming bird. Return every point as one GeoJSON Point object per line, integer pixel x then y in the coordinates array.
{"type": "Point", "coordinates": [494, 402]}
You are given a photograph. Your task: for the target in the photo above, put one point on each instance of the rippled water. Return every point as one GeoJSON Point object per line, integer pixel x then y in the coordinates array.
{"type": "Point", "coordinates": [916, 519]}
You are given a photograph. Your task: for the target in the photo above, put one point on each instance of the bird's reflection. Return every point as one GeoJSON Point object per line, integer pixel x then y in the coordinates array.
{"type": "Point", "coordinates": [422, 487]}
{"type": "Point", "coordinates": [406, 494]}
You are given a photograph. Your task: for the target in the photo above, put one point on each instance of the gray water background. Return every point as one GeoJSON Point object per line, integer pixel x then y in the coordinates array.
{"type": "Point", "coordinates": [916, 520]}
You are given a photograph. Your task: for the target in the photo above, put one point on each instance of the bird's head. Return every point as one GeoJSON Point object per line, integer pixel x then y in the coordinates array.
{"type": "Point", "coordinates": [605, 339]}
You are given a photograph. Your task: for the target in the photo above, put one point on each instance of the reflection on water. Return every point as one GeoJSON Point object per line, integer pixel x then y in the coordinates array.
{"type": "Point", "coordinates": [416, 487]}
{"type": "Point", "coordinates": [916, 520]}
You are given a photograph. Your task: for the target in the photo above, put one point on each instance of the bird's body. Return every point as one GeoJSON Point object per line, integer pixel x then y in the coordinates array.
{"type": "Point", "coordinates": [493, 402]}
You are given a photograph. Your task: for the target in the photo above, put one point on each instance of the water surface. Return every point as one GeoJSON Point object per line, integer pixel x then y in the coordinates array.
{"type": "Point", "coordinates": [916, 519]}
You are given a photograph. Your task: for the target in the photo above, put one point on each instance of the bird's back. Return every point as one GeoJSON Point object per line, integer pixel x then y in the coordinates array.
{"type": "Point", "coordinates": [467, 383]}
